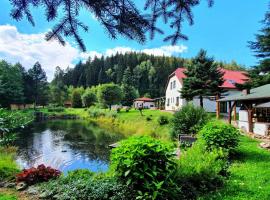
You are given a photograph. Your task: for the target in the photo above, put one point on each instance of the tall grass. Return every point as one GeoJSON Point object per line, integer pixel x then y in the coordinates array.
{"type": "Point", "coordinates": [8, 167]}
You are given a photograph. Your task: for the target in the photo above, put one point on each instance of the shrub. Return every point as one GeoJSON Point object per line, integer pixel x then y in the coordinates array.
{"type": "Point", "coordinates": [188, 120]}
{"type": "Point", "coordinates": [89, 98]}
{"type": "Point", "coordinates": [148, 118]}
{"type": "Point", "coordinates": [76, 99]}
{"type": "Point", "coordinates": [96, 112]}
{"type": "Point", "coordinates": [200, 171]}
{"type": "Point", "coordinates": [146, 164]}
{"type": "Point", "coordinates": [84, 185]}
{"type": "Point", "coordinates": [37, 175]}
{"type": "Point", "coordinates": [118, 110]}
{"type": "Point", "coordinates": [109, 94]}
{"type": "Point", "coordinates": [163, 120]}
{"type": "Point", "coordinates": [56, 109]}
{"type": "Point", "coordinates": [218, 134]}
{"type": "Point", "coordinates": [8, 167]}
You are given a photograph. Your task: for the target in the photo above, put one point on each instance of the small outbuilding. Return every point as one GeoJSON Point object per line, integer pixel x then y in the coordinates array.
{"type": "Point", "coordinates": [144, 102]}
{"type": "Point", "coordinates": [254, 114]}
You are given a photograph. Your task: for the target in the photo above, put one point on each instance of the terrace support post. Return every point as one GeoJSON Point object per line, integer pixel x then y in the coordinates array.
{"type": "Point", "coordinates": [217, 107]}
{"type": "Point", "coordinates": [234, 112]}
{"type": "Point", "coordinates": [230, 111]}
{"type": "Point", "coordinates": [250, 123]}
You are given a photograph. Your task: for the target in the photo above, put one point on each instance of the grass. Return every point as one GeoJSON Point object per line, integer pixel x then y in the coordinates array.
{"type": "Point", "coordinates": [250, 174]}
{"type": "Point", "coordinates": [132, 123]}
{"type": "Point", "coordinates": [7, 197]}
{"type": "Point", "coordinates": [8, 167]}
{"type": "Point", "coordinates": [127, 123]}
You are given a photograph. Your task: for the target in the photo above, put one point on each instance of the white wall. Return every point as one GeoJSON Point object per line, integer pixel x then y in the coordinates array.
{"type": "Point", "coordinates": [172, 94]}
{"type": "Point", "coordinates": [138, 104]}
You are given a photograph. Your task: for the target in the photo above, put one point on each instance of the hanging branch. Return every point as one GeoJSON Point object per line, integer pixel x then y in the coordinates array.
{"type": "Point", "coordinates": [119, 17]}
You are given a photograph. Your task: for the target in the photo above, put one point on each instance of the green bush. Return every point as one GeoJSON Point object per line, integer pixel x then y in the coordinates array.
{"type": "Point", "coordinates": [89, 98]}
{"type": "Point", "coordinates": [218, 134]}
{"type": "Point", "coordinates": [163, 120]}
{"type": "Point", "coordinates": [200, 171]}
{"type": "Point", "coordinates": [56, 109]}
{"type": "Point", "coordinates": [84, 185]}
{"type": "Point", "coordinates": [76, 99]}
{"type": "Point", "coordinates": [8, 167]}
{"type": "Point", "coordinates": [145, 164]}
{"type": "Point", "coordinates": [188, 120]}
{"type": "Point", "coordinates": [96, 112]}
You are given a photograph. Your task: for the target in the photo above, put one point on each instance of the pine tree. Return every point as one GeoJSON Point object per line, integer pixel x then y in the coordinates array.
{"type": "Point", "coordinates": [40, 85]}
{"type": "Point", "coordinates": [129, 91]}
{"type": "Point", "coordinates": [203, 78]}
{"type": "Point", "coordinates": [261, 74]}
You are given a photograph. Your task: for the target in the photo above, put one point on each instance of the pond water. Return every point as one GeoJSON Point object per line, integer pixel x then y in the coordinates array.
{"type": "Point", "coordinates": [65, 145]}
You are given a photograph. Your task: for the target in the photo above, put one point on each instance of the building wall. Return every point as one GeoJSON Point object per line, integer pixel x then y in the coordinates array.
{"type": "Point", "coordinates": [138, 104]}
{"type": "Point", "coordinates": [210, 105]}
{"type": "Point", "coordinates": [172, 94]}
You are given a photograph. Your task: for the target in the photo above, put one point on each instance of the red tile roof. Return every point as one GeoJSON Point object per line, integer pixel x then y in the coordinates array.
{"type": "Point", "coordinates": [144, 99]}
{"type": "Point", "coordinates": [231, 77]}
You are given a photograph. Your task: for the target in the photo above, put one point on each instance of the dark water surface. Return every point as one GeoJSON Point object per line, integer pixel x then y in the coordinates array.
{"type": "Point", "coordinates": [65, 145]}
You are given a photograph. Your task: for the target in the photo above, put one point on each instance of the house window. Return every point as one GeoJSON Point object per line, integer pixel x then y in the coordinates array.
{"type": "Point", "coordinates": [171, 85]}
{"type": "Point", "coordinates": [174, 84]}
{"type": "Point", "coordinates": [223, 107]}
{"type": "Point", "coordinates": [168, 102]}
{"type": "Point", "coordinates": [177, 101]}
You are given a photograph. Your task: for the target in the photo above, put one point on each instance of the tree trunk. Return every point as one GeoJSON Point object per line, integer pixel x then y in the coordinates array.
{"type": "Point", "coordinates": [110, 107]}
{"type": "Point", "coordinates": [201, 101]}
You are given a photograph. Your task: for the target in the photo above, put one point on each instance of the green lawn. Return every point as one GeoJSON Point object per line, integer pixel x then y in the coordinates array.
{"type": "Point", "coordinates": [250, 174]}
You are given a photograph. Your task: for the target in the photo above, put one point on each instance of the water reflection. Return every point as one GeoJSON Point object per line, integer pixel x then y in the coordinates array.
{"type": "Point", "coordinates": [66, 145]}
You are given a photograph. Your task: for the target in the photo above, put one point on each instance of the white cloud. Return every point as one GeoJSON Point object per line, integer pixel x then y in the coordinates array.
{"type": "Point", "coordinates": [163, 50]}
{"type": "Point", "coordinates": [29, 48]}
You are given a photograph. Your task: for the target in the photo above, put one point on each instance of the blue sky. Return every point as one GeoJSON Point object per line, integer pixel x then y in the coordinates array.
{"type": "Point", "coordinates": [222, 30]}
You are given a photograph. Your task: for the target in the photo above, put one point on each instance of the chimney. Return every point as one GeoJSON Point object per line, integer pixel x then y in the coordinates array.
{"type": "Point", "coordinates": [246, 91]}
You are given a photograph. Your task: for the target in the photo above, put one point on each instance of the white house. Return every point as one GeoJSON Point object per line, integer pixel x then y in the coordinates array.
{"type": "Point", "coordinates": [175, 84]}
{"type": "Point", "coordinates": [144, 102]}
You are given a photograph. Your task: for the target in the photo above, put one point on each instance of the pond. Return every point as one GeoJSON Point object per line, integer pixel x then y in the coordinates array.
{"type": "Point", "coordinates": [65, 145]}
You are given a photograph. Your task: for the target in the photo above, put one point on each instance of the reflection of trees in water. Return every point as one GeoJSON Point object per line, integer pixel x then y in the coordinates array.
{"type": "Point", "coordinates": [82, 138]}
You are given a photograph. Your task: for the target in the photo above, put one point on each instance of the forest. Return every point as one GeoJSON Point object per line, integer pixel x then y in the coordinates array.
{"type": "Point", "coordinates": [139, 74]}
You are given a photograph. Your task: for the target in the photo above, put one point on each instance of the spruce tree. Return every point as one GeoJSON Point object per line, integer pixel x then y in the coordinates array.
{"type": "Point", "coordinates": [203, 78]}
{"type": "Point", "coordinates": [39, 84]}
{"type": "Point", "coordinates": [118, 17]}
{"type": "Point", "coordinates": [261, 74]}
{"type": "Point", "coordinates": [129, 91]}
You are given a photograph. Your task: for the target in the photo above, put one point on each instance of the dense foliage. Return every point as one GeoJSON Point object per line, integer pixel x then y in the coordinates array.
{"type": "Point", "coordinates": [84, 185]}
{"type": "Point", "coordinates": [19, 86]}
{"type": "Point", "coordinates": [10, 122]}
{"type": "Point", "coordinates": [37, 175]}
{"type": "Point", "coordinates": [109, 94]}
{"type": "Point", "coordinates": [89, 98]}
{"type": "Point", "coordinates": [200, 171]}
{"type": "Point", "coordinates": [203, 78]}
{"type": "Point", "coordinates": [188, 120]}
{"type": "Point", "coordinates": [162, 120]}
{"type": "Point", "coordinates": [146, 164]}
{"type": "Point", "coordinates": [76, 99]}
{"type": "Point", "coordinates": [219, 135]}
